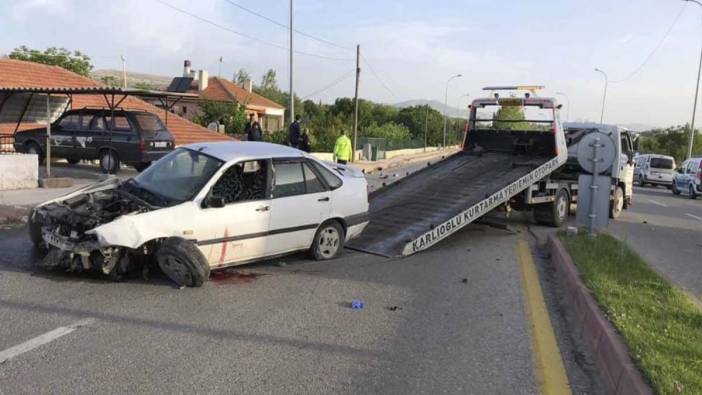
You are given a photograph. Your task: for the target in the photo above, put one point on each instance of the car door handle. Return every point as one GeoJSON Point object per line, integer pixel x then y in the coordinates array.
{"type": "Point", "coordinates": [326, 199]}
{"type": "Point", "coordinates": [264, 208]}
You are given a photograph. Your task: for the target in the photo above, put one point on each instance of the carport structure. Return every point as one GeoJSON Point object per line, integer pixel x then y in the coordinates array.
{"type": "Point", "coordinates": [114, 97]}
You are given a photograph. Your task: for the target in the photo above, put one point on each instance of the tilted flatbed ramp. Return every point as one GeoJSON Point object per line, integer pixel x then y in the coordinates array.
{"type": "Point", "coordinates": [426, 207]}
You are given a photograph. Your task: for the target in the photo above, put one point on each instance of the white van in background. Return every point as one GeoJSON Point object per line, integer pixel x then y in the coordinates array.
{"type": "Point", "coordinates": [654, 169]}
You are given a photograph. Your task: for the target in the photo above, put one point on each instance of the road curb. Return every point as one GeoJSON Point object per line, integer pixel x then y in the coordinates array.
{"type": "Point", "coordinates": [611, 354]}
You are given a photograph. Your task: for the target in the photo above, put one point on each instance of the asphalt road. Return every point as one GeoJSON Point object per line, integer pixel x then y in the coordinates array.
{"type": "Point", "coordinates": [666, 230]}
{"type": "Point", "coordinates": [289, 330]}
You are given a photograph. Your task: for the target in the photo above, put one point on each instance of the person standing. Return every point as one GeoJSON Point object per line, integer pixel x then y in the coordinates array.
{"type": "Point", "coordinates": [249, 124]}
{"type": "Point", "coordinates": [305, 141]}
{"type": "Point", "coordinates": [342, 149]}
{"type": "Point", "coordinates": [255, 133]}
{"type": "Point", "coordinates": [294, 133]}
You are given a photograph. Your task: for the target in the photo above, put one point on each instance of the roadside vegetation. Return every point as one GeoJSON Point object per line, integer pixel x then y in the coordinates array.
{"type": "Point", "coordinates": [671, 141]}
{"type": "Point", "coordinates": [659, 324]}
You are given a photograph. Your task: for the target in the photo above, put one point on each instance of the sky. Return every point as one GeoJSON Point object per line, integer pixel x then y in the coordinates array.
{"type": "Point", "coordinates": [410, 47]}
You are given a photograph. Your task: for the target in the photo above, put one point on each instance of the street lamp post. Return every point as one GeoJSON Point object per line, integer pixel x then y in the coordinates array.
{"type": "Point", "coordinates": [694, 106]}
{"type": "Point", "coordinates": [446, 105]}
{"type": "Point", "coordinates": [604, 95]}
{"type": "Point", "coordinates": [568, 104]}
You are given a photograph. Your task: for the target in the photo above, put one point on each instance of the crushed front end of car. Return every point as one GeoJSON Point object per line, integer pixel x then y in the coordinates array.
{"type": "Point", "coordinates": [66, 228]}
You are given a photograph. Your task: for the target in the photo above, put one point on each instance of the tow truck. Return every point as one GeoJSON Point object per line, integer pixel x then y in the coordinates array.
{"type": "Point", "coordinates": [513, 140]}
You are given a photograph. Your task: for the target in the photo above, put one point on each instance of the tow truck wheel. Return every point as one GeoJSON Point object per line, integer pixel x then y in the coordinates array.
{"type": "Point", "coordinates": [617, 204]}
{"type": "Point", "coordinates": [554, 214]}
{"type": "Point", "coordinates": [328, 242]}
{"type": "Point", "coordinates": [182, 262]}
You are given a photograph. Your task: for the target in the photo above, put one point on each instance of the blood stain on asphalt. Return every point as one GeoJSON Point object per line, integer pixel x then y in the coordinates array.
{"type": "Point", "coordinates": [228, 277]}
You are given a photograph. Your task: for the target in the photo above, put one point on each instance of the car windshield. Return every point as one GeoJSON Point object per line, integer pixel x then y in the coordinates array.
{"type": "Point", "coordinates": [662, 163]}
{"type": "Point", "coordinates": [512, 117]}
{"type": "Point", "coordinates": [150, 125]}
{"type": "Point", "coordinates": [175, 178]}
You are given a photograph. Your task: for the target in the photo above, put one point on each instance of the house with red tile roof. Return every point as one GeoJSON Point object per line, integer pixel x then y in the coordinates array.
{"type": "Point", "coordinates": [31, 108]}
{"type": "Point", "coordinates": [268, 113]}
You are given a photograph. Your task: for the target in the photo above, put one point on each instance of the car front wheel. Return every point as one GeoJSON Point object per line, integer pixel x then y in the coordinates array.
{"type": "Point", "coordinates": [182, 262]}
{"type": "Point", "coordinates": [675, 189]}
{"type": "Point", "coordinates": [328, 242]}
{"type": "Point", "coordinates": [33, 148]}
{"type": "Point", "coordinates": [693, 194]}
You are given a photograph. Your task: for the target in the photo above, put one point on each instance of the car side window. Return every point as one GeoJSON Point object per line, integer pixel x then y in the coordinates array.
{"type": "Point", "coordinates": [98, 123]}
{"type": "Point", "coordinates": [289, 180]}
{"type": "Point", "coordinates": [119, 123]}
{"type": "Point", "coordinates": [331, 179]}
{"type": "Point", "coordinates": [85, 120]}
{"type": "Point", "coordinates": [243, 181]}
{"type": "Point", "coordinates": [70, 122]}
{"type": "Point", "coordinates": [312, 183]}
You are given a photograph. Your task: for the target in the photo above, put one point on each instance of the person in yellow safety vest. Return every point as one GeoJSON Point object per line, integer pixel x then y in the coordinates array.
{"type": "Point", "coordinates": [342, 149]}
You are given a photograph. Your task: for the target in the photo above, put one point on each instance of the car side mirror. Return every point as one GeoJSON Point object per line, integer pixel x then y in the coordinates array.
{"type": "Point", "coordinates": [215, 202]}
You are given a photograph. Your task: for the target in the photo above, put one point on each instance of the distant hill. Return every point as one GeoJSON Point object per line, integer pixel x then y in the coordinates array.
{"type": "Point", "coordinates": [158, 82]}
{"type": "Point", "coordinates": [438, 106]}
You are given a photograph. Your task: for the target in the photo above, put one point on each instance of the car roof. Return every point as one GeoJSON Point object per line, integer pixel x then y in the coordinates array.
{"type": "Point", "coordinates": [657, 156]}
{"type": "Point", "coordinates": [92, 110]}
{"type": "Point", "coordinates": [242, 150]}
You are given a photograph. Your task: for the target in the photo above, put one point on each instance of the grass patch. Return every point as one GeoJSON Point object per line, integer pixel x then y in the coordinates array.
{"type": "Point", "coordinates": [659, 324]}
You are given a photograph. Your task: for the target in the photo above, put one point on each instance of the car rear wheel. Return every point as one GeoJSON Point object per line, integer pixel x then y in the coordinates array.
{"type": "Point", "coordinates": [72, 161]}
{"type": "Point", "coordinates": [328, 242]}
{"type": "Point", "coordinates": [642, 183]}
{"type": "Point", "coordinates": [675, 189]}
{"type": "Point", "coordinates": [693, 194]}
{"type": "Point", "coordinates": [33, 148]}
{"type": "Point", "coordinates": [182, 262]}
{"type": "Point", "coordinates": [141, 166]}
{"type": "Point", "coordinates": [109, 162]}
{"type": "Point", "coordinates": [616, 206]}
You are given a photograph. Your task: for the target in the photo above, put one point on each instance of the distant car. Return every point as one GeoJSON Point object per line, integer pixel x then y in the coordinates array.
{"type": "Point", "coordinates": [654, 169]}
{"type": "Point", "coordinates": [133, 137]}
{"type": "Point", "coordinates": [688, 179]}
{"type": "Point", "coordinates": [205, 206]}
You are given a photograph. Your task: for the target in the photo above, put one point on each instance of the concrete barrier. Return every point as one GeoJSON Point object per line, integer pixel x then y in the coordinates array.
{"type": "Point", "coordinates": [18, 171]}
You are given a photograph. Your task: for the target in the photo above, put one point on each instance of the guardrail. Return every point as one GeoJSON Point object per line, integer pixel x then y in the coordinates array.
{"type": "Point", "coordinates": [6, 141]}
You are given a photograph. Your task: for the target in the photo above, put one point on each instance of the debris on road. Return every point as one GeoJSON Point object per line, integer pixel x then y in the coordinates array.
{"type": "Point", "coordinates": [13, 214]}
{"type": "Point", "coordinates": [394, 308]}
{"type": "Point", "coordinates": [357, 304]}
{"type": "Point", "coordinates": [464, 280]}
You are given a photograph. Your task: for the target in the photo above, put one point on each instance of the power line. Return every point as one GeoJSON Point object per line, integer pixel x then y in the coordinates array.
{"type": "Point", "coordinates": [273, 21]}
{"type": "Point", "coordinates": [247, 36]}
{"type": "Point", "coordinates": [382, 83]}
{"type": "Point", "coordinates": [656, 48]}
{"type": "Point", "coordinates": [331, 85]}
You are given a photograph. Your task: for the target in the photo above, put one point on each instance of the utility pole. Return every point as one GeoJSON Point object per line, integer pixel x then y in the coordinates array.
{"type": "Point", "coordinates": [446, 106]}
{"type": "Point", "coordinates": [604, 96]}
{"type": "Point", "coordinates": [219, 72]}
{"type": "Point", "coordinates": [691, 139]}
{"type": "Point", "coordinates": [292, 94]}
{"type": "Point", "coordinates": [355, 100]}
{"type": "Point", "coordinates": [426, 125]}
{"type": "Point", "coordinates": [124, 72]}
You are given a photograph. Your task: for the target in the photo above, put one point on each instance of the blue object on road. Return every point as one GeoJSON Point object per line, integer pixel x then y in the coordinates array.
{"type": "Point", "coordinates": [357, 304]}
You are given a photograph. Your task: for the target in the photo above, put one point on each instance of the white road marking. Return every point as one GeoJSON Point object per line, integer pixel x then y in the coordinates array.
{"type": "Point", "coordinates": [40, 340]}
{"type": "Point", "coordinates": [657, 203]}
{"type": "Point", "coordinates": [694, 216]}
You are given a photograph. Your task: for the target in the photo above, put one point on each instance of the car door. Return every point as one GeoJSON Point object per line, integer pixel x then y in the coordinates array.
{"type": "Point", "coordinates": [236, 230]}
{"type": "Point", "coordinates": [84, 145]}
{"type": "Point", "coordinates": [62, 135]}
{"type": "Point", "coordinates": [300, 204]}
{"type": "Point", "coordinates": [123, 136]}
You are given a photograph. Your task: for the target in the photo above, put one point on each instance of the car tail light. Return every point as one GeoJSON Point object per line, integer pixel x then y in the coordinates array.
{"type": "Point", "coordinates": [142, 145]}
{"type": "Point", "coordinates": [699, 172]}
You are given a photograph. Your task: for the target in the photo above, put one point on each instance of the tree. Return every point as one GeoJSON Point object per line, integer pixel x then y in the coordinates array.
{"type": "Point", "coordinates": [510, 117]}
{"type": "Point", "coordinates": [231, 115]}
{"type": "Point", "coordinates": [269, 81]}
{"type": "Point", "coordinates": [242, 76]}
{"type": "Point", "coordinates": [145, 86]}
{"type": "Point", "coordinates": [76, 62]}
{"type": "Point", "coordinates": [110, 80]}
{"type": "Point", "coordinates": [670, 141]}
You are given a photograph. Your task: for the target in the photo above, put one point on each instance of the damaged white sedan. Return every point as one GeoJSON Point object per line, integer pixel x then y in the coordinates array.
{"type": "Point", "coordinates": [205, 206]}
